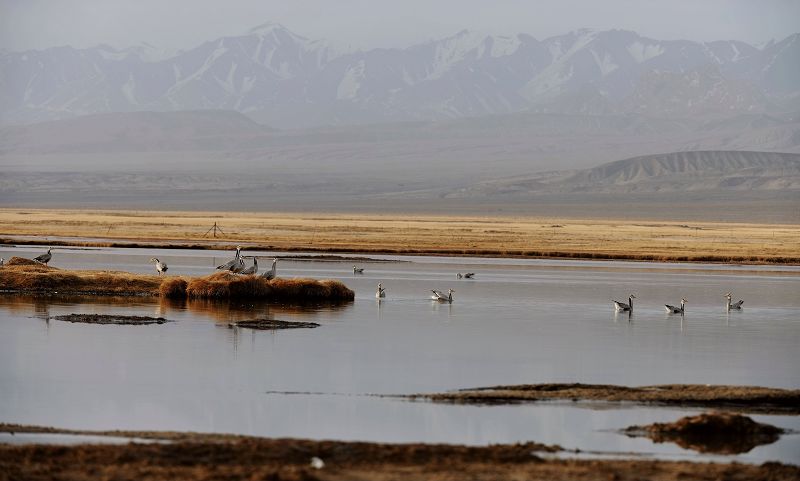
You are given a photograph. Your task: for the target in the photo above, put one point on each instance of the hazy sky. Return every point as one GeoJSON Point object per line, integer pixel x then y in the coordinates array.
{"type": "Point", "coordinates": [26, 24]}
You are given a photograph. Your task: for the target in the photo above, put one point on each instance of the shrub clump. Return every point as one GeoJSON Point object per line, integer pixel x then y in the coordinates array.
{"type": "Point", "coordinates": [223, 285]}
{"type": "Point", "coordinates": [173, 288]}
{"type": "Point", "coordinates": [23, 275]}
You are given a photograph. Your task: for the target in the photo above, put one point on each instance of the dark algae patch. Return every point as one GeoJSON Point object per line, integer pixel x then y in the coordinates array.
{"type": "Point", "coordinates": [272, 324]}
{"type": "Point", "coordinates": [717, 433]}
{"type": "Point", "coordinates": [742, 398]}
{"type": "Point", "coordinates": [113, 319]}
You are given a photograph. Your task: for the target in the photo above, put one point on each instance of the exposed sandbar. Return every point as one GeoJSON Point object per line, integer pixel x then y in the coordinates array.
{"type": "Point", "coordinates": [741, 398]}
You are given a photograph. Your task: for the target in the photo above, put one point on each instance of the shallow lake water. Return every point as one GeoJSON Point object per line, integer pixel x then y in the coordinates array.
{"type": "Point", "coordinates": [518, 321]}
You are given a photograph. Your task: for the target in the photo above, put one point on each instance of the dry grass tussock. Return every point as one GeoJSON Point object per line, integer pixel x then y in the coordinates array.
{"type": "Point", "coordinates": [173, 288]}
{"type": "Point", "coordinates": [23, 275]}
{"type": "Point", "coordinates": [28, 276]}
{"type": "Point", "coordinates": [223, 285]}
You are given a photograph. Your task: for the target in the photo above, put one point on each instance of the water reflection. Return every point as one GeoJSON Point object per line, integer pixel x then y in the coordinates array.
{"type": "Point", "coordinates": [520, 322]}
{"type": "Point", "coordinates": [40, 306]}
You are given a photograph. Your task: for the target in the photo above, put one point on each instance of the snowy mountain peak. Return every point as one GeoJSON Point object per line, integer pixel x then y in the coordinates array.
{"type": "Point", "coordinates": [283, 79]}
{"type": "Point", "coordinates": [266, 28]}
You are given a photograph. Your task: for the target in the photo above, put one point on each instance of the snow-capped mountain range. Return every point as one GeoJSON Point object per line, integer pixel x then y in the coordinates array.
{"type": "Point", "coordinates": [284, 80]}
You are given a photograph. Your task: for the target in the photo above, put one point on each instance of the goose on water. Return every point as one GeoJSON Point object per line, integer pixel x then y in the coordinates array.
{"type": "Point", "coordinates": [676, 310]}
{"type": "Point", "coordinates": [736, 306]}
{"type": "Point", "coordinates": [44, 258]}
{"type": "Point", "coordinates": [622, 307]}
{"type": "Point", "coordinates": [468, 275]}
{"type": "Point", "coordinates": [270, 274]}
{"type": "Point", "coordinates": [161, 267]}
{"type": "Point", "coordinates": [228, 266]}
{"type": "Point", "coordinates": [439, 295]}
{"type": "Point", "coordinates": [252, 269]}
{"type": "Point", "coordinates": [381, 292]}
{"type": "Point", "coordinates": [358, 270]}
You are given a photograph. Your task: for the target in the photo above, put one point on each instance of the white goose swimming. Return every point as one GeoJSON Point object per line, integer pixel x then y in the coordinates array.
{"type": "Point", "coordinates": [439, 295]}
{"type": "Point", "coordinates": [161, 267]}
{"type": "Point", "coordinates": [252, 269]}
{"type": "Point", "coordinates": [676, 310]}
{"type": "Point", "coordinates": [381, 292]}
{"type": "Point", "coordinates": [622, 307]}
{"type": "Point", "coordinates": [737, 306]}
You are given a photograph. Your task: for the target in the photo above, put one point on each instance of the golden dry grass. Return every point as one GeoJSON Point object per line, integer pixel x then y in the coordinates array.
{"type": "Point", "coordinates": [173, 288]}
{"type": "Point", "coordinates": [496, 236]}
{"type": "Point", "coordinates": [22, 275]}
{"type": "Point", "coordinates": [223, 285]}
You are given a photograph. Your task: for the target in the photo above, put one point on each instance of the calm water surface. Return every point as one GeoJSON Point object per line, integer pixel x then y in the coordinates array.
{"type": "Point", "coordinates": [519, 321]}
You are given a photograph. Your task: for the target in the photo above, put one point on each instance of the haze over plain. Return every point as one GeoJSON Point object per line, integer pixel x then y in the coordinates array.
{"type": "Point", "coordinates": [269, 119]}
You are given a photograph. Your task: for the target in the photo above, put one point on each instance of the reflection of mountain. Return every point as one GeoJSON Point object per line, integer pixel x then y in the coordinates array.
{"type": "Point", "coordinates": [282, 79]}
{"type": "Point", "coordinates": [675, 172]}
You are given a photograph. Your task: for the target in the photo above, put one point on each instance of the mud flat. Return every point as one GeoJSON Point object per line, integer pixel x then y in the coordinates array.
{"type": "Point", "coordinates": [740, 398]}
{"type": "Point", "coordinates": [273, 324]}
{"type": "Point", "coordinates": [191, 456]}
{"type": "Point", "coordinates": [26, 276]}
{"type": "Point", "coordinates": [718, 433]}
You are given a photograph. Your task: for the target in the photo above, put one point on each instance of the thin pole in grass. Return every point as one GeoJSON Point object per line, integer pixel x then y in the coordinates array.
{"type": "Point", "coordinates": [214, 228]}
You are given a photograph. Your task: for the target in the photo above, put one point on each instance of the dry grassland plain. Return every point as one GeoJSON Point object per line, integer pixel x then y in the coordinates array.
{"type": "Point", "coordinates": [489, 236]}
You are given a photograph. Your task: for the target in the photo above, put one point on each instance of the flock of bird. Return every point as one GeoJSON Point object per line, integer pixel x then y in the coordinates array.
{"type": "Point", "coordinates": [620, 306]}
{"type": "Point", "coordinates": [237, 266]}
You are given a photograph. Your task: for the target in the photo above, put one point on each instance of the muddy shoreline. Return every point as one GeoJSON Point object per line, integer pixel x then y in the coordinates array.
{"type": "Point", "coordinates": [751, 399]}
{"type": "Point", "coordinates": [192, 456]}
